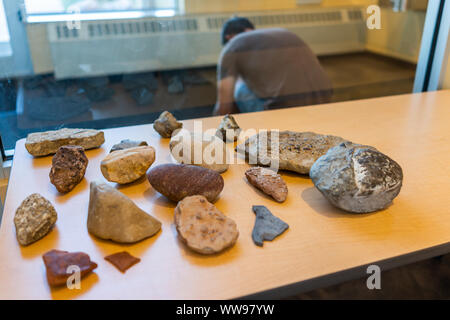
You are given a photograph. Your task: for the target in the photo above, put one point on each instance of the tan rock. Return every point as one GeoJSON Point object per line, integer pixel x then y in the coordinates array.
{"type": "Point", "coordinates": [202, 227]}
{"type": "Point", "coordinates": [296, 151]}
{"type": "Point", "coordinates": [268, 181]}
{"type": "Point", "coordinates": [34, 218]}
{"type": "Point", "coordinates": [128, 165]}
{"type": "Point", "coordinates": [213, 152]}
{"type": "Point", "coordinates": [45, 143]}
{"type": "Point", "coordinates": [114, 216]}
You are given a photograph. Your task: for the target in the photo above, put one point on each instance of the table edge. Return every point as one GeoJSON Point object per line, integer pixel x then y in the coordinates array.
{"type": "Point", "coordinates": [348, 274]}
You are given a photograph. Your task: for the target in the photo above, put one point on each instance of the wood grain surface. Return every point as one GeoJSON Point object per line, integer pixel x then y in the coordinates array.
{"type": "Point", "coordinates": [412, 129]}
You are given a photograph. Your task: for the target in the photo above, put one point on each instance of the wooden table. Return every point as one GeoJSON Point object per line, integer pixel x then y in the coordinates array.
{"type": "Point", "coordinates": [323, 245]}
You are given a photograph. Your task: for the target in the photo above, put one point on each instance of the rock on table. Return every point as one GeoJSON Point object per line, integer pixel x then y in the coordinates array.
{"type": "Point", "coordinates": [45, 143]}
{"type": "Point", "coordinates": [357, 178]}
{"type": "Point", "coordinates": [34, 218]}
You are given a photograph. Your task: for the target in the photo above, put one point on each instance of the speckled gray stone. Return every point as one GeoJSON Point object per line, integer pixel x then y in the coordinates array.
{"type": "Point", "coordinates": [45, 143]}
{"type": "Point", "coordinates": [127, 144]}
{"type": "Point", "coordinates": [34, 218]}
{"type": "Point", "coordinates": [114, 216]}
{"type": "Point", "coordinates": [267, 226]}
{"type": "Point", "coordinates": [357, 178]}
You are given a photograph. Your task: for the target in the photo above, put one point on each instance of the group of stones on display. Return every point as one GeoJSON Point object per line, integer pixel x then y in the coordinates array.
{"type": "Point", "coordinates": [353, 177]}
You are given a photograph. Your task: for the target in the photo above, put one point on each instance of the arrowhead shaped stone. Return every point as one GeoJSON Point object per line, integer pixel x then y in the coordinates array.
{"type": "Point", "coordinates": [114, 216]}
{"type": "Point", "coordinates": [267, 226]}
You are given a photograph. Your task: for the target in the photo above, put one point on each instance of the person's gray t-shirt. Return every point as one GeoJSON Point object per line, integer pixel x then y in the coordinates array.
{"type": "Point", "coordinates": [276, 65]}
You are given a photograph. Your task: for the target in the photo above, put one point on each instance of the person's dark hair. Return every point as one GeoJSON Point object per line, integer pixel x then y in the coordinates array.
{"type": "Point", "coordinates": [234, 26]}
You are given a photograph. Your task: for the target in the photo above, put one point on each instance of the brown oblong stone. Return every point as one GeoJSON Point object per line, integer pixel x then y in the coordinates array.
{"type": "Point", "coordinates": [177, 181]}
{"type": "Point", "coordinates": [57, 263]}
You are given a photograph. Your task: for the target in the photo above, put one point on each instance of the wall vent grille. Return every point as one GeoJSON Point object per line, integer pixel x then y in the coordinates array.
{"type": "Point", "coordinates": [355, 15]}
{"type": "Point", "coordinates": [102, 29]}
{"type": "Point", "coordinates": [282, 19]}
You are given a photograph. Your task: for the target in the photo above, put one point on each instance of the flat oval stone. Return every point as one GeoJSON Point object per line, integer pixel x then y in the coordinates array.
{"type": "Point", "coordinates": [357, 178]}
{"type": "Point", "coordinates": [68, 167]}
{"type": "Point", "coordinates": [202, 227]}
{"type": "Point", "coordinates": [128, 165]}
{"type": "Point", "coordinates": [177, 181]}
{"type": "Point", "coordinates": [34, 218]}
{"type": "Point", "coordinates": [287, 150]}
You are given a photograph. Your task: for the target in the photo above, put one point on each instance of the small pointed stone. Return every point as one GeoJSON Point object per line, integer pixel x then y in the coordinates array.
{"type": "Point", "coordinates": [122, 260]}
{"type": "Point", "coordinates": [34, 218]}
{"type": "Point", "coordinates": [114, 216]}
{"type": "Point", "coordinates": [166, 124]}
{"type": "Point", "coordinates": [267, 226]}
{"type": "Point", "coordinates": [228, 129]}
{"type": "Point", "coordinates": [268, 181]}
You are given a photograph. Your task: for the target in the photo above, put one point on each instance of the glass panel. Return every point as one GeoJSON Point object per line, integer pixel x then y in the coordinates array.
{"type": "Point", "coordinates": [5, 47]}
{"type": "Point", "coordinates": [61, 6]}
{"type": "Point", "coordinates": [110, 73]}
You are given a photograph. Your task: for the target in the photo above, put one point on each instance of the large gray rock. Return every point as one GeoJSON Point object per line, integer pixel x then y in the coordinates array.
{"type": "Point", "coordinates": [114, 216]}
{"type": "Point", "coordinates": [357, 178]}
{"type": "Point", "coordinates": [293, 151]}
{"type": "Point", "coordinates": [45, 143]}
{"type": "Point", "coordinates": [34, 218]}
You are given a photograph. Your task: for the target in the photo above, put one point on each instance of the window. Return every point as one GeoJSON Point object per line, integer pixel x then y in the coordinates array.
{"type": "Point", "coordinates": [84, 6]}
{"type": "Point", "coordinates": [117, 72]}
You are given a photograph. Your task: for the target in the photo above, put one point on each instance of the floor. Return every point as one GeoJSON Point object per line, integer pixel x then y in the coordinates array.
{"type": "Point", "coordinates": [428, 279]}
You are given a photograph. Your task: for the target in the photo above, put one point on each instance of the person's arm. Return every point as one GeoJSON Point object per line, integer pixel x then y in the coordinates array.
{"type": "Point", "coordinates": [225, 96]}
